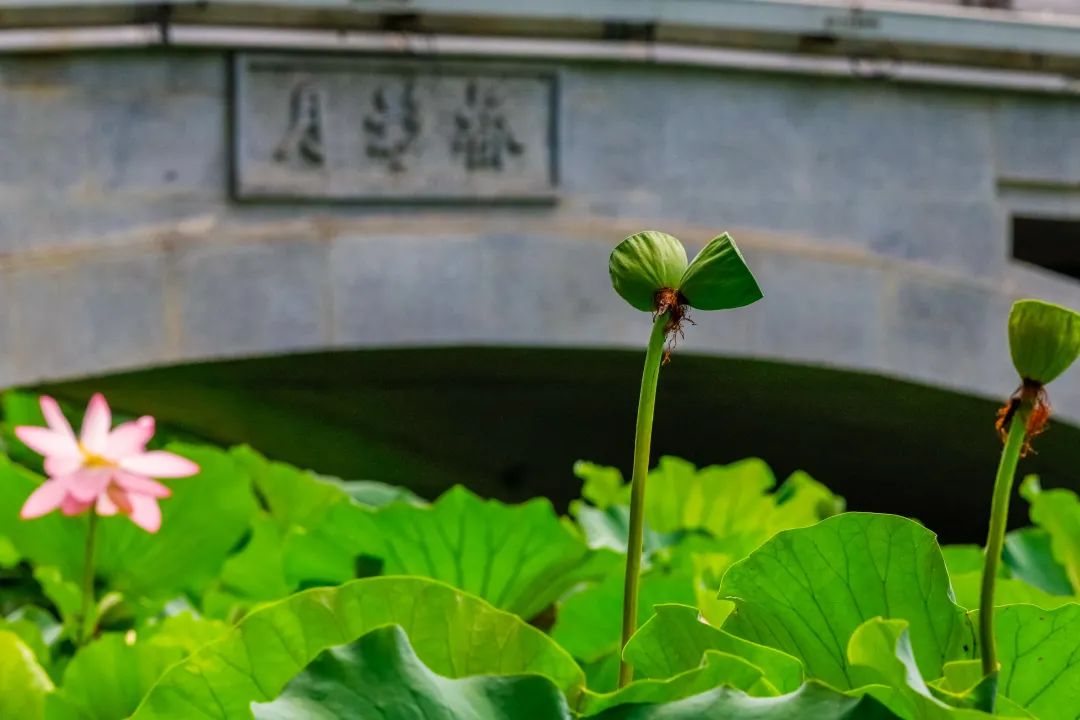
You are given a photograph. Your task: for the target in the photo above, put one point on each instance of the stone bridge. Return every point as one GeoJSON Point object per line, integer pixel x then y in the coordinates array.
{"type": "Point", "coordinates": [188, 185]}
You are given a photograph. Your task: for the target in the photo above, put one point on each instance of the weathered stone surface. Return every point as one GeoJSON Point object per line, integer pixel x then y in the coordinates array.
{"type": "Point", "coordinates": [435, 293]}
{"type": "Point", "coordinates": [938, 329]}
{"type": "Point", "coordinates": [251, 298]}
{"type": "Point", "coordinates": [866, 164]}
{"type": "Point", "coordinates": [874, 215]}
{"type": "Point", "coordinates": [1036, 139]}
{"type": "Point", "coordinates": [82, 313]}
{"type": "Point", "coordinates": [830, 310]}
{"type": "Point", "coordinates": [539, 298]}
{"type": "Point", "coordinates": [92, 146]}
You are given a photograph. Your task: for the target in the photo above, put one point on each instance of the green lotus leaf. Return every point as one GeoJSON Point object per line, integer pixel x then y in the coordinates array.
{"type": "Point", "coordinates": [1008, 591]}
{"type": "Point", "coordinates": [51, 540]}
{"type": "Point", "coordinates": [254, 574]}
{"type": "Point", "coordinates": [964, 559]}
{"type": "Point", "coordinates": [801, 500]}
{"type": "Point", "coordinates": [1039, 652]}
{"type": "Point", "coordinates": [23, 623]}
{"type": "Point", "coordinates": [644, 263]}
{"type": "Point", "coordinates": [589, 620]}
{"type": "Point", "coordinates": [719, 278]}
{"type": "Point", "coordinates": [707, 566]}
{"type": "Point", "coordinates": [810, 702]}
{"type": "Point", "coordinates": [882, 663]}
{"type": "Point", "coordinates": [728, 501]}
{"type": "Point", "coordinates": [602, 486]}
{"type": "Point", "coordinates": [9, 556]}
{"type": "Point", "coordinates": [963, 685]}
{"type": "Point", "coordinates": [108, 678]}
{"type": "Point", "coordinates": [454, 634]}
{"type": "Point", "coordinates": [1029, 556]}
{"type": "Point", "coordinates": [186, 553]}
{"type": "Point", "coordinates": [610, 528]}
{"type": "Point", "coordinates": [965, 565]}
{"type": "Point", "coordinates": [1044, 339]}
{"type": "Point", "coordinates": [23, 683]}
{"type": "Point", "coordinates": [602, 676]}
{"type": "Point", "coordinates": [732, 502]}
{"type": "Point", "coordinates": [520, 558]}
{"type": "Point", "coordinates": [376, 494]}
{"type": "Point", "coordinates": [717, 668]}
{"type": "Point", "coordinates": [675, 640]}
{"type": "Point", "coordinates": [65, 596]}
{"type": "Point", "coordinates": [380, 676]}
{"type": "Point", "coordinates": [805, 592]}
{"type": "Point", "coordinates": [1057, 512]}
{"type": "Point", "coordinates": [318, 525]}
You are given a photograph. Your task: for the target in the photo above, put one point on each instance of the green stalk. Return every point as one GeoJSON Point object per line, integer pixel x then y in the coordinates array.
{"type": "Point", "coordinates": [86, 625]}
{"type": "Point", "coordinates": [995, 539]}
{"type": "Point", "coordinates": [642, 445]}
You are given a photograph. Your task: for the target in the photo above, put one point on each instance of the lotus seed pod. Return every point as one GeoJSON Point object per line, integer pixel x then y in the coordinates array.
{"type": "Point", "coordinates": [1044, 339]}
{"type": "Point", "coordinates": [645, 263]}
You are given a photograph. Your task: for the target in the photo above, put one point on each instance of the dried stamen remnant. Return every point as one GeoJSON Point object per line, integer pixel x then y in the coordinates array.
{"type": "Point", "coordinates": [674, 304]}
{"type": "Point", "coordinates": [1030, 397]}
{"type": "Point", "coordinates": [664, 300]}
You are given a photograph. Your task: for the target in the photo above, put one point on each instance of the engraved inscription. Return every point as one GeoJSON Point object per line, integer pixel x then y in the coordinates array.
{"type": "Point", "coordinates": [483, 133]}
{"type": "Point", "coordinates": [351, 128]}
{"type": "Point", "coordinates": [304, 138]}
{"type": "Point", "coordinates": [393, 125]}
{"type": "Point", "coordinates": [854, 19]}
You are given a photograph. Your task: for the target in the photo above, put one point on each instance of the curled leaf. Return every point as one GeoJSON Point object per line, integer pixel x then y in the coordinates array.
{"type": "Point", "coordinates": [380, 676]}
{"type": "Point", "coordinates": [719, 278]}
{"type": "Point", "coordinates": [23, 682]}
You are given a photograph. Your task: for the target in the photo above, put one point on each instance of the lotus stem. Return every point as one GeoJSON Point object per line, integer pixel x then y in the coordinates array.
{"type": "Point", "coordinates": [85, 629]}
{"type": "Point", "coordinates": [642, 446]}
{"type": "Point", "coordinates": [995, 539]}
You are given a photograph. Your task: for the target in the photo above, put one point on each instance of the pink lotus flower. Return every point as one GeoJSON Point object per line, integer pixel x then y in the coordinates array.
{"type": "Point", "coordinates": [107, 469]}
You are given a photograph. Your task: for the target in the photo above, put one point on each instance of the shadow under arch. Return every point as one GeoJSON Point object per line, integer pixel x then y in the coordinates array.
{"type": "Point", "coordinates": [510, 422]}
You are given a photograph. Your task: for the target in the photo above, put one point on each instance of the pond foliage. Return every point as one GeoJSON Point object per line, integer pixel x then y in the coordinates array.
{"type": "Point", "coordinates": [273, 592]}
{"type": "Point", "coordinates": [149, 578]}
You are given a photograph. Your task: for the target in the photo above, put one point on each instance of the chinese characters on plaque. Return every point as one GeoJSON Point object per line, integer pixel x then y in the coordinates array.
{"type": "Point", "coordinates": [393, 125]}
{"type": "Point", "coordinates": [341, 129]}
{"type": "Point", "coordinates": [482, 134]}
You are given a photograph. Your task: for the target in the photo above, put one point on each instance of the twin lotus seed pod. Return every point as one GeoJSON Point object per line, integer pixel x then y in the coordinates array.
{"type": "Point", "coordinates": [644, 264]}
{"type": "Point", "coordinates": [1044, 338]}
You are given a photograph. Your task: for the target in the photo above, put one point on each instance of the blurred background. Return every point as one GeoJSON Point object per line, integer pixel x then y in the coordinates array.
{"type": "Point", "coordinates": [371, 237]}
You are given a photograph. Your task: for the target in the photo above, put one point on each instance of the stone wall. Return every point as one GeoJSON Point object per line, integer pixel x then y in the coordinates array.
{"type": "Point", "coordinates": [875, 215]}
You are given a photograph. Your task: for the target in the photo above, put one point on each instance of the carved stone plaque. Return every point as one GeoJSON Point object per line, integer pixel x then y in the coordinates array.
{"type": "Point", "coordinates": [365, 129]}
